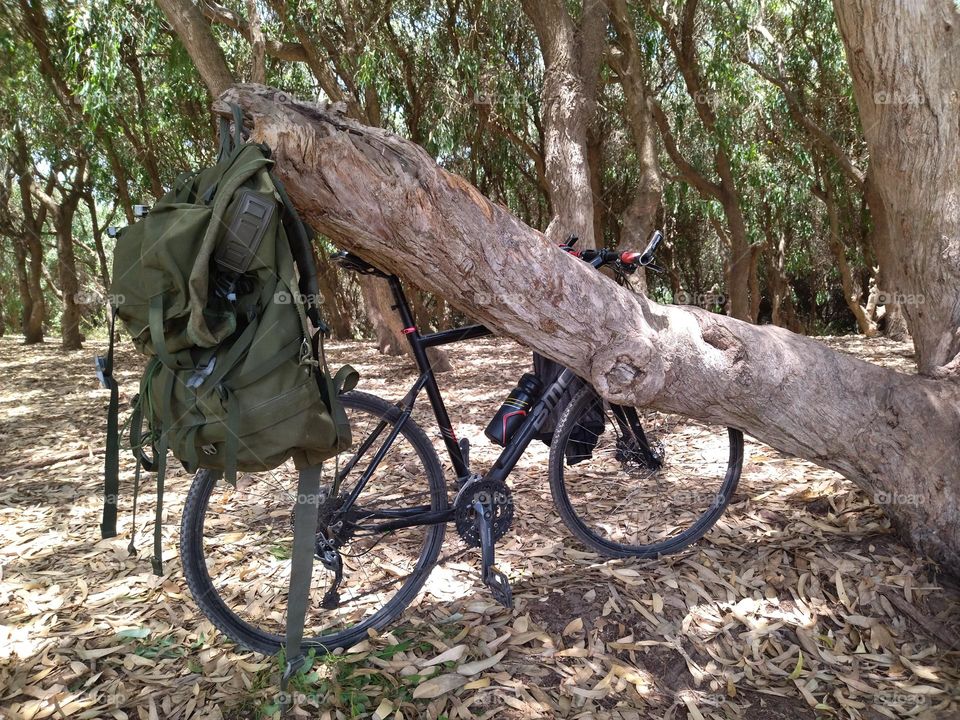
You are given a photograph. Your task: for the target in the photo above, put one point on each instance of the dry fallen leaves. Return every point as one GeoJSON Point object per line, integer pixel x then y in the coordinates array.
{"type": "Point", "coordinates": [799, 599]}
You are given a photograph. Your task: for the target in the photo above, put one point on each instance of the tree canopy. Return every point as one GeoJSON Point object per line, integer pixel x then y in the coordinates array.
{"type": "Point", "coordinates": [757, 148]}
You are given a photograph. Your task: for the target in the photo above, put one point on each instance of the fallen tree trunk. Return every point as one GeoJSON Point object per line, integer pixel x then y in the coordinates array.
{"type": "Point", "coordinates": [383, 197]}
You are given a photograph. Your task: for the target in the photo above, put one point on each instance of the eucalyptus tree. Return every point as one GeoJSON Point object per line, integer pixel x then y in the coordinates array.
{"type": "Point", "coordinates": [789, 391]}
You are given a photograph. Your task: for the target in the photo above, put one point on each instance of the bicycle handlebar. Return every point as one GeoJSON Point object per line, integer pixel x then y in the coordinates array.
{"type": "Point", "coordinates": [629, 260]}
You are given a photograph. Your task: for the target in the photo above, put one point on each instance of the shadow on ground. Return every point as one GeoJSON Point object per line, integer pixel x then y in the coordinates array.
{"type": "Point", "coordinates": [799, 603]}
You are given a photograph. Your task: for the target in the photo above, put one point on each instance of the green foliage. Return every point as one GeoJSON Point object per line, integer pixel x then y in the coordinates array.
{"type": "Point", "coordinates": [463, 78]}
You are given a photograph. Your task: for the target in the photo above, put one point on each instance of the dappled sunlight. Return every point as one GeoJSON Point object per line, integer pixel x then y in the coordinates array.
{"type": "Point", "coordinates": [798, 596]}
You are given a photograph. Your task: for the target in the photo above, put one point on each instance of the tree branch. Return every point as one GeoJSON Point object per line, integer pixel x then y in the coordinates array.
{"type": "Point", "coordinates": [816, 132]}
{"type": "Point", "coordinates": [287, 51]}
{"type": "Point", "coordinates": [692, 175]}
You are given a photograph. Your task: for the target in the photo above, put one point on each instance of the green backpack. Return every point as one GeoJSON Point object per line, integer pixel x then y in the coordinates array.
{"type": "Point", "coordinates": [218, 287]}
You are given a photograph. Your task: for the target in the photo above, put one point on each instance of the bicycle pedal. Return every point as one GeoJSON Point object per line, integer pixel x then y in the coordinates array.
{"type": "Point", "coordinates": [499, 587]}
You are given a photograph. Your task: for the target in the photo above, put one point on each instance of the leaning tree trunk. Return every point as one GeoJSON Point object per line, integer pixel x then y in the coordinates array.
{"type": "Point", "coordinates": [357, 185]}
{"type": "Point", "coordinates": [905, 62]}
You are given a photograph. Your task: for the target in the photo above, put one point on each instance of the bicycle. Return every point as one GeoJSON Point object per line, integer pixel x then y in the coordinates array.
{"type": "Point", "coordinates": [384, 511]}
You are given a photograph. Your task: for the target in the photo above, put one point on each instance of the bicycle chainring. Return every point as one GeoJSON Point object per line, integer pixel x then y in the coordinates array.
{"type": "Point", "coordinates": [466, 517]}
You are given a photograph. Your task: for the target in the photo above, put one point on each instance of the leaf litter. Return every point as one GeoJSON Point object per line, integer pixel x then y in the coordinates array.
{"type": "Point", "coordinates": [799, 603]}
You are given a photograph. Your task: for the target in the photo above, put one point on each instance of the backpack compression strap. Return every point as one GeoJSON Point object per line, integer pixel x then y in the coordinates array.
{"type": "Point", "coordinates": [111, 463]}
{"type": "Point", "coordinates": [301, 567]}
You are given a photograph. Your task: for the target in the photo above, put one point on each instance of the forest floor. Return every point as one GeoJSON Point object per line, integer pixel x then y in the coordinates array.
{"type": "Point", "coordinates": [800, 603]}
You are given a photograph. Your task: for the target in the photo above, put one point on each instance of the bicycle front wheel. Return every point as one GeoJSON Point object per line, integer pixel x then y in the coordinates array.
{"type": "Point", "coordinates": [640, 483]}
{"type": "Point", "coordinates": [236, 543]}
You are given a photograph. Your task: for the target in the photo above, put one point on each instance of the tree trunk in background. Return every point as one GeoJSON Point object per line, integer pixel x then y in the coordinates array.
{"type": "Point", "coordinates": [336, 307]}
{"type": "Point", "coordinates": [679, 32]}
{"type": "Point", "coordinates": [738, 261]}
{"type": "Point", "coordinates": [754, 282]}
{"type": "Point", "coordinates": [23, 281]}
{"type": "Point", "coordinates": [194, 32]}
{"type": "Point", "coordinates": [378, 300]}
{"type": "Point", "coordinates": [905, 63]}
{"type": "Point", "coordinates": [571, 57]}
{"type": "Point", "coordinates": [851, 295]}
{"type": "Point", "coordinates": [789, 391]}
{"type": "Point", "coordinates": [640, 217]}
{"type": "Point", "coordinates": [34, 312]}
{"type": "Point", "coordinates": [70, 336]}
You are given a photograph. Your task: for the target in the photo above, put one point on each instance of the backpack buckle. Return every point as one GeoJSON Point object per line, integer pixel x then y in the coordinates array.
{"type": "Point", "coordinates": [306, 354]}
{"type": "Point", "coordinates": [201, 373]}
{"type": "Point", "coordinates": [104, 375]}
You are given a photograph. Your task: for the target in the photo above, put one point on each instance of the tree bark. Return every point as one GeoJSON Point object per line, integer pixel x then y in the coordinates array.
{"type": "Point", "coordinates": [357, 185]}
{"type": "Point", "coordinates": [639, 218]}
{"type": "Point", "coordinates": [258, 46]}
{"type": "Point", "coordinates": [33, 218]}
{"type": "Point", "coordinates": [194, 32]}
{"type": "Point", "coordinates": [571, 63]}
{"type": "Point", "coordinates": [61, 210]}
{"type": "Point", "coordinates": [70, 336]}
{"type": "Point", "coordinates": [905, 63]}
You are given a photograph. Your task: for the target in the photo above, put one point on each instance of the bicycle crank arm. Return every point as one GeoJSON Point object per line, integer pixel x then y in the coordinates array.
{"type": "Point", "coordinates": [492, 577]}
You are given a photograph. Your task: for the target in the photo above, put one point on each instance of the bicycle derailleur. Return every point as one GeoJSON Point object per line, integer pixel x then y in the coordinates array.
{"type": "Point", "coordinates": [331, 534]}
{"type": "Point", "coordinates": [483, 513]}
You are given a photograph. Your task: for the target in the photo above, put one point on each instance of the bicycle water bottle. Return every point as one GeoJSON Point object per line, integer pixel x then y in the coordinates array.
{"type": "Point", "coordinates": [513, 412]}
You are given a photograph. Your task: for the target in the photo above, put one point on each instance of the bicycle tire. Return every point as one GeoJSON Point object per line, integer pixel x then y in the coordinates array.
{"type": "Point", "coordinates": [214, 607]}
{"type": "Point", "coordinates": [582, 530]}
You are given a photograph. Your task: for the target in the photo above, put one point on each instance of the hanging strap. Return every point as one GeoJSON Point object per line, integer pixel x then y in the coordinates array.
{"type": "Point", "coordinates": [111, 463]}
{"type": "Point", "coordinates": [156, 335]}
{"type": "Point", "coordinates": [228, 142]}
{"type": "Point", "coordinates": [237, 125]}
{"type": "Point", "coordinates": [301, 247]}
{"type": "Point", "coordinates": [232, 444]}
{"type": "Point", "coordinates": [167, 378]}
{"type": "Point", "coordinates": [330, 388]}
{"type": "Point", "coordinates": [301, 567]}
{"type": "Point", "coordinates": [157, 560]}
{"type": "Point", "coordinates": [131, 547]}
{"type": "Point", "coordinates": [225, 141]}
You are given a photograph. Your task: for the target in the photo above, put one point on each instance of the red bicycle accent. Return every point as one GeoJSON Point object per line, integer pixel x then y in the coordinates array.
{"type": "Point", "coordinates": [503, 433]}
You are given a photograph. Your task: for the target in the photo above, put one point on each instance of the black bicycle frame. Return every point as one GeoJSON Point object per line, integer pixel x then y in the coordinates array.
{"type": "Point", "coordinates": [408, 517]}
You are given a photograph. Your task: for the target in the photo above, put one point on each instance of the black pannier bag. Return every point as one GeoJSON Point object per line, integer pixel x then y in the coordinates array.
{"type": "Point", "coordinates": [584, 437]}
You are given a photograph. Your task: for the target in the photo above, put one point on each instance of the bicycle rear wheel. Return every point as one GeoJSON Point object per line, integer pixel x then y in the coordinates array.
{"type": "Point", "coordinates": [235, 543]}
{"type": "Point", "coordinates": [624, 502]}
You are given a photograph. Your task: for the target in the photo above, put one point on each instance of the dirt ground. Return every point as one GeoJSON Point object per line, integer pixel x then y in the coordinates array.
{"type": "Point", "coordinates": [798, 604]}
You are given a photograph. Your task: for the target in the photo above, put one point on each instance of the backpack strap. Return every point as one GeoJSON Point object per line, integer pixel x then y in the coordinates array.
{"type": "Point", "coordinates": [167, 377]}
{"type": "Point", "coordinates": [156, 336]}
{"type": "Point", "coordinates": [111, 464]}
{"type": "Point", "coordinates": [228, 142]}
{"type": "Point", "coordinates": [330, 388]}
{"type": "Point", "coordinates": [301, 247]}
{"type": "Point", "coordinates": [301, 568]}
